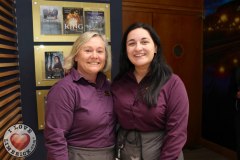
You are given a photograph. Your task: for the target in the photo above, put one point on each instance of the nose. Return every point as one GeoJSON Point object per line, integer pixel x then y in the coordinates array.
{"type": "Point", "coordinates": [138, 46]}
{"type": "Point", "coordinates": [94, 54]}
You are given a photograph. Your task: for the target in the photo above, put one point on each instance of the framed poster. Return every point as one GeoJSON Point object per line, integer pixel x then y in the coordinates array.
{"type": "Point", "coordinates": [94, 21]}
{"type": "Point", "coordinates": [61, 21]}
{"type": "Point", "coordinates": [49, 62]}
{"type": "Point", "coordinates": [41, 96]}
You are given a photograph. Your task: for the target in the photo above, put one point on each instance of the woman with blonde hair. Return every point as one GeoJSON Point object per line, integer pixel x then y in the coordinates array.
{"type": "Point", "coordinates": [79, 118]}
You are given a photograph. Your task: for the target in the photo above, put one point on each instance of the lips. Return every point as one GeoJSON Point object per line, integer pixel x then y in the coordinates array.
{"type": "Point", "coordinates": [139, 55]}
{"type": "Point", "coordinates": [94, 63]}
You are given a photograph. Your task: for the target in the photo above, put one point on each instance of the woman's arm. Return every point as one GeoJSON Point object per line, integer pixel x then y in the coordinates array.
{"type": "Point", "coordinates": [58, 120]}
{"type": "Point", "coordinates": [176, 121]}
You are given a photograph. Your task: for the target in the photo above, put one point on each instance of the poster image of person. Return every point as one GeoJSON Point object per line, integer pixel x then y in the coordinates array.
{"type": "Point", "coordinates": [94, 21]}
{"type": "Point", "coordinates": [54, 65]}
{"type": "Point", "coordinates": [51, 20]}
{"type": "Point", "coordinates": [73, 20]}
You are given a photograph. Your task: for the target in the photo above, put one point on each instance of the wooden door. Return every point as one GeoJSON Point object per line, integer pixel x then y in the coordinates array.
{"type": "Point", "coordinates": [135, 16]}
{"type": "Point", "coordinates": [181, 42]}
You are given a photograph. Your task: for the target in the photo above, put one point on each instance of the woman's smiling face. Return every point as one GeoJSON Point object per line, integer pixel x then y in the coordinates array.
{"type": "Point", "coordinates": [140, 47]}
{"type": "Point", "coordinates": [91, 57]}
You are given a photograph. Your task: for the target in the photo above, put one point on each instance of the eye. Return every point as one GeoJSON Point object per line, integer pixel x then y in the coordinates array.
{"type": "Point", "coordinates": [131, 43]}
{"type": "Point", "coordinates": [87, 50]}
{"type": "Point", "coordinates": [100, 51]}
{"type": "Point", "coordinates": [144, 42]}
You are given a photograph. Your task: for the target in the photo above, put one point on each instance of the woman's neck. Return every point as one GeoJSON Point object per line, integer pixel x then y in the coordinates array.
{"type": "Point", "coordinates": [140, 73]}
{"type": "Point", "coordinates": [89, 77]}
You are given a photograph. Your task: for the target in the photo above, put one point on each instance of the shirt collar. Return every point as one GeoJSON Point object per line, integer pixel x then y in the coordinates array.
{"type": "Point", "coordinates": [130, 74]}
{"type": "Point", "coordinates": [76, 76]}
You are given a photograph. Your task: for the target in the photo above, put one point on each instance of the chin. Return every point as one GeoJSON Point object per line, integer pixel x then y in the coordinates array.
{"type": "Point", "coordinates": [94, 71]}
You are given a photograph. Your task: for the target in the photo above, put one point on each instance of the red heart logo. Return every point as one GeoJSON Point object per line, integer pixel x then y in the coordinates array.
{"type": "Point", "coordinates": [20, 141]}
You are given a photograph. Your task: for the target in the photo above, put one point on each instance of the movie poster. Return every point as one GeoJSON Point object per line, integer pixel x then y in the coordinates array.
{"type": "Point", "coordinates": [51, 20]}
{"type": "Point", "coordinates": [54, 65]}
{"type": "Point", "coordinates": [94, 21]}
{"type": "Point", "coordinates": [73, 20]}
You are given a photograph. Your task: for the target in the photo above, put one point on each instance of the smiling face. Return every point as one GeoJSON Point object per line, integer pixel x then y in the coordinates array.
{"type": "Point", "coordinates": [140, 48]}
{"type": "Point", "coordinates": [91, 57]}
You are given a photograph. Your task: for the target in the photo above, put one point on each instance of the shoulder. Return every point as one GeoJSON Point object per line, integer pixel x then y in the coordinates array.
{"type": "Point", "coordinates": [174, 85]}
{"type": "Point", "coordinates": [174, 80]}
{"type": "Point", "coordinates": [65, 81]}
{"type": "Point", "coordinates": [65, 84]}
{"type": "Point", "coordinates": [118, 83]}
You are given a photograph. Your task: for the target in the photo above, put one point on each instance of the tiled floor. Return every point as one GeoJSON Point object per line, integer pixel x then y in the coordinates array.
{"type": "Point", "coordinates": [201, 154]}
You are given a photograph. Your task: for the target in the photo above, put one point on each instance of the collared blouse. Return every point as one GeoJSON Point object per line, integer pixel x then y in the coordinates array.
{"type": "Point", "coordinates": [169, 115]}
{"type": "Point", "coordinates": [79, 114]}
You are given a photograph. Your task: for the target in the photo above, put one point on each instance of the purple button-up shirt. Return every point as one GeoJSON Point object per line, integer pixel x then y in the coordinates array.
{"type": "Point", "coordinates": [170, 115]}
{"type": "Point", "coordinates": [79, 114]}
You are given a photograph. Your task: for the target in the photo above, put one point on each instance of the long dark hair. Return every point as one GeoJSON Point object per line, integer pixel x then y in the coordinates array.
{"type": "Point", "coordinates": [159, 72]}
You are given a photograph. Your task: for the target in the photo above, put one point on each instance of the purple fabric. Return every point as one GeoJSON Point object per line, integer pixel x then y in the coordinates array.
{"type": "Point", "coordinates": [170, 115]}
{"type": "Point", "coordinates": [79, 114]}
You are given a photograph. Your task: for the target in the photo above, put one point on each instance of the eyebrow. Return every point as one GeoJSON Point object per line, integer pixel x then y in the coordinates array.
{"type": "Point", "coordinates": [144, 38]}
{"type": "Point", "coordinates": [92, 47]}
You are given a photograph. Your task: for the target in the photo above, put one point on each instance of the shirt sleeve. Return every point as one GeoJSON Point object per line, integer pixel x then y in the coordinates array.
{"type": "Point", "coordinates": [58, 121]}
{"type": "Point", "coordinates": [176, 121]}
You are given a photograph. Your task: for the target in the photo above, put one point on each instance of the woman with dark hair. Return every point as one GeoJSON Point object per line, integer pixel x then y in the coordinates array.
{"type": "Point", "coordinates": [150, 101]}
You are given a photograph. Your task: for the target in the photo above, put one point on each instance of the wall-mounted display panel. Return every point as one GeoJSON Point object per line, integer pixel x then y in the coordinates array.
{"type": "Point", "coordinates": [41, 96]}
{"type": "Point", "coordinates": [49, 61]}
{"type": "Point", "coordinates": [61, 21]}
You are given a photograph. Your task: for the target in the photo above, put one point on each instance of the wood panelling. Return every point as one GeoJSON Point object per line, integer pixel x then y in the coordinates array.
{"type": "Point", "coordinates": [10, 103]}
{"type": "Point", "coordinates": [135, 16]}
{"type": "Point", "coordinates": [10, 81]}
{"type": "Point", "coordinates": [184, 31]}
{"type": "Point", "coordinates": [7, 12]}
{"type": "Point", "coordinates": [8, 55]}
{"type": "Point", "coordinates": [9, 90]}
{"type": "Point", "coordinates": [7, 4]}
{"type": "Point", "coordinates": [5, 29]}
{"type": "Point", "coordinates": [9, 73]}
{"type": "Point", "coordinates": [8, 108]}
{"type": "Point", "coordinates": [2, 46]}
{"type": "Point", "coordinates": [171, 3]}
{"type": "Point", "coordinates": [157, 7]}
{"type": "Point", "coordinates": [9, 99]}
{"type": "Point", "coordinates": [3, 19]}
{"type": "Point", "coordinates": [8, 118]}
{"type": "Point", "coordinates": [7, 38]}
{"type": "Point", "coordinates": [179, 25]}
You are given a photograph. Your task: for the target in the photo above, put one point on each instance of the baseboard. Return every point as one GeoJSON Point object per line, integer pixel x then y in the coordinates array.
{"type": "Point", "coordinates": [231, 155]}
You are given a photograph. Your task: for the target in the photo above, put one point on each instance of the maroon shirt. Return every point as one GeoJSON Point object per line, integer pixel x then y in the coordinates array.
{"type": "Point", "coordinates": [170, 115]}
{"type": "Point", "coordinates": [79, 114]}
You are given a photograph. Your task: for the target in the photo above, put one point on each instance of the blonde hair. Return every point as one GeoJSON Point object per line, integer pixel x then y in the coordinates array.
{"type": "Point", "coordinates": [69, 61]}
